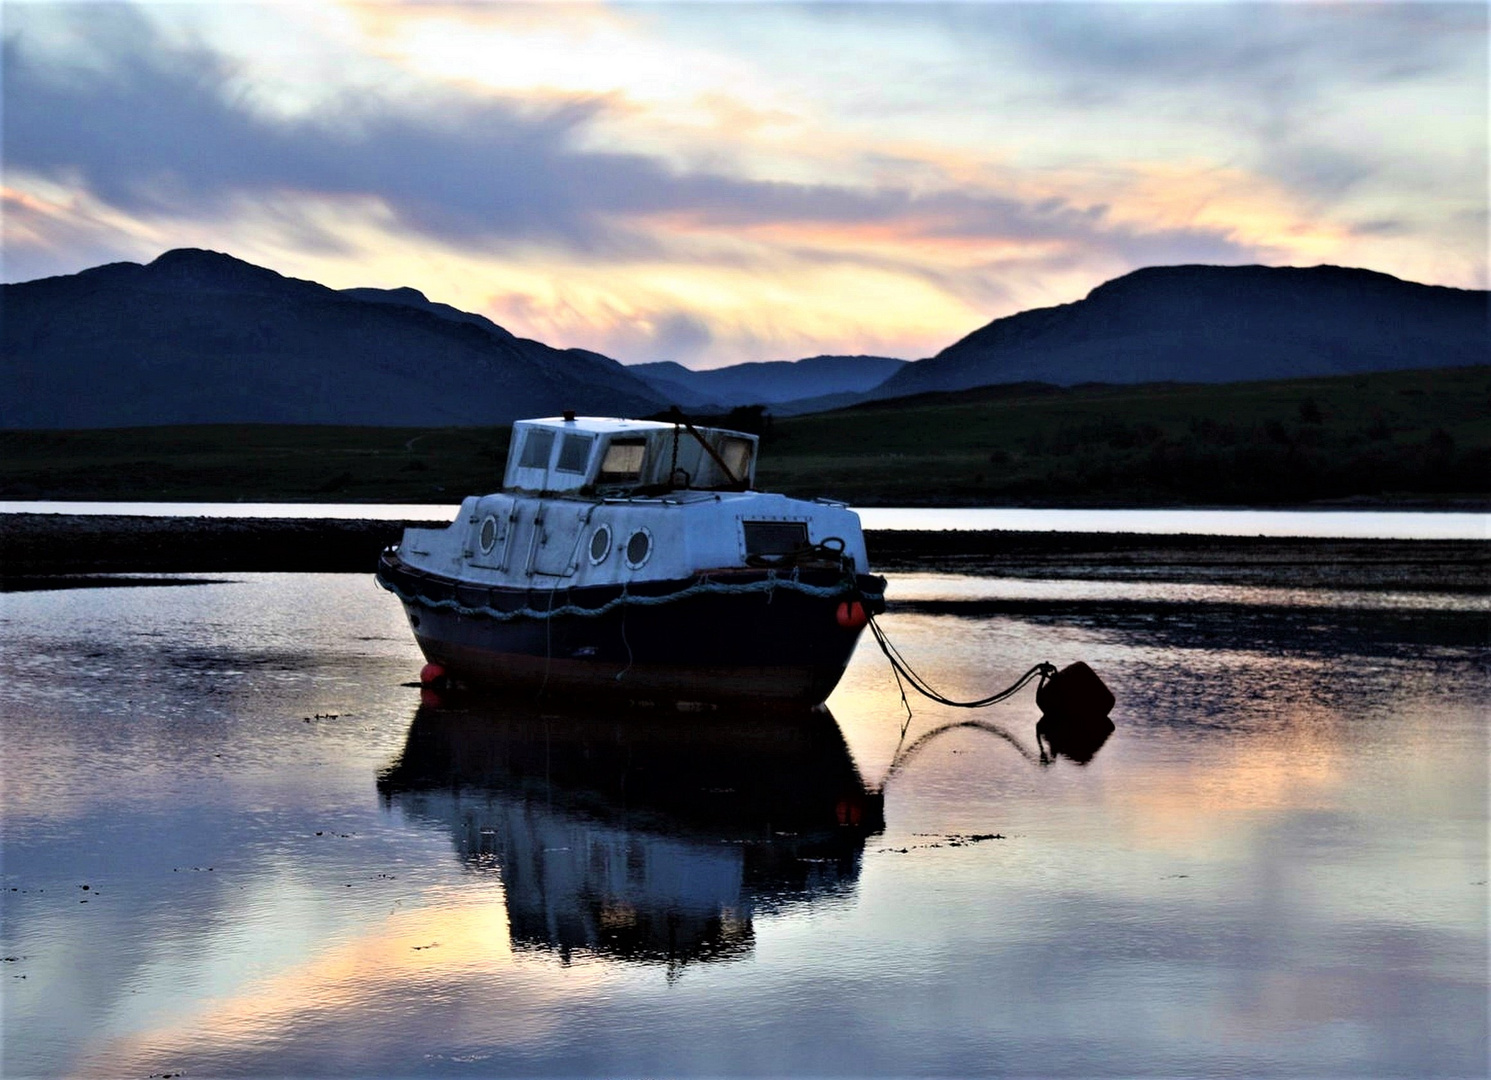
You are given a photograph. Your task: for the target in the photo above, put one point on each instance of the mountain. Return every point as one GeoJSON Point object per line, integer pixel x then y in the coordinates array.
{"type": "Point", "coordinates": [677, 390]}
{"type": "Point", "coordinates": [201, 337]}
{"type": "Point", "coordinates": [1217, 324]}
{"type": "Point", "coordinates": [769, 383]}
{"type": "Point", "coordinates": [408, 297]}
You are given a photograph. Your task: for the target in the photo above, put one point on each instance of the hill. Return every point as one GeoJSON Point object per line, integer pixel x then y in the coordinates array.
{"type": "Point", "coordinates": [1217, 324]}
{"type": "Point", "coordinates": [198, 337]}
{"type": "Point", "coordinates": [201, 337]}
{"type": "Point", "coordinates": [833, 378]}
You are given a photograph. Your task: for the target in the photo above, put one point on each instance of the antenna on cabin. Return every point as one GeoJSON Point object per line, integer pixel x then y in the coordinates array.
{"type": "Point", "coordinates": [569, 416]}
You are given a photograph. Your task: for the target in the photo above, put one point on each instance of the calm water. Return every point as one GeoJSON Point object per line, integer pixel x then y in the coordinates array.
{"type": "Point", "coordinates": [1351, 524]}
{"type": "Point", "coordinates": [1275, 866]}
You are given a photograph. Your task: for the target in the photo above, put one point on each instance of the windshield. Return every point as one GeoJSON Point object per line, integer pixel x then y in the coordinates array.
{"type": "Point", "coordinates": [623, 462]}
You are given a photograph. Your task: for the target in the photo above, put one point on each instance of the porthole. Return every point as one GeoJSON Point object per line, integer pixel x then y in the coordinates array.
{"type": "Point", "coordinates": [600, 544]}
{"type": "Point", "coordinates": [488, 535]}
{"type": "Point", "coordinates": [639, 549]}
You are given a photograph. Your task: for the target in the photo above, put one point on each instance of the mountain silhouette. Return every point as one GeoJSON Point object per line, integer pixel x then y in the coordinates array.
{"type": "Point", "coordinates": [202, 337]}
{"type": "Point", "coordinates": [770, 383]}
{"type": "Point", "coordinates": [1217, 324]}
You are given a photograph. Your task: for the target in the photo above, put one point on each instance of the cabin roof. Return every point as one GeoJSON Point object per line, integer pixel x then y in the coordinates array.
{"type": "Point", "coordinates": [601, 425]}
{"type": "Point", "coordinates": [611, 453]}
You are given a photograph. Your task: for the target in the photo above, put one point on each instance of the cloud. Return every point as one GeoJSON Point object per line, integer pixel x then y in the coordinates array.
{"type": "Point", "coordinates": [1311, 47]}
{"type": "Point", "coordinates": [707, 184]}
{"type": "Point", "coordinates": [681, 337]}
{"type": "Point", "coordinates": [1317, 96]}
{"type": "Point", "coordinates": [1326, 98]}
{"type": "Point", "coordinates": [159, 129]}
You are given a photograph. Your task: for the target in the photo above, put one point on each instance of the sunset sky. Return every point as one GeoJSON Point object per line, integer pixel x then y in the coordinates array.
{"type": "Point", "coordinates": [715, 183]}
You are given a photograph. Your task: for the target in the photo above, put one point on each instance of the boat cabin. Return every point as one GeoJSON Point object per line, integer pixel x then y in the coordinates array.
{"type": "Point", "coordinates": [597, 456]}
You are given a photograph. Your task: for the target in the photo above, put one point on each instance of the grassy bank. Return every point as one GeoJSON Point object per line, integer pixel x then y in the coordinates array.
{"type": "Point", "coordinates": [1396, 438]}
{"type": "Point", "coordinates": [254, 462]}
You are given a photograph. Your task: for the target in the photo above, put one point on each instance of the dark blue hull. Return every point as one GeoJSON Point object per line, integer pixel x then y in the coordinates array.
{"type": "Point", "coordinates": [749, 634]}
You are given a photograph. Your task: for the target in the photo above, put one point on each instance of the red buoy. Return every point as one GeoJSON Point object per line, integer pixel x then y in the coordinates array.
{"type": "Point", "coordinates": [851, 615]}
{"type": "Point", "coordinates": [430, 674]}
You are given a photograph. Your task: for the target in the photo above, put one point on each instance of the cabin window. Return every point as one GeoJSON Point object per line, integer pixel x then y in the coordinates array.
{"type": "Point", "coordinates": [736, 454]}
{"type": "Point", "coordinates": [536, 449]}
{"type": "Point", "coordinates": [488, 535]}
{"type": "Point", "coordinates": [775, 537]}
{"type": "Point", "coordinates": [623, 462]}
{"type": "Point", "coordinates": [639, 549]}
{"type": "Point", "coordinates": [600, 544]}
{"type": "Point", "coordinates": [574, 453]}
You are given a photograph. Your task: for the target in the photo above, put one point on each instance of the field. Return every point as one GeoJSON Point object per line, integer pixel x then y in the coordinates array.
{"type": "Point", "coordinates": [1396, 438]}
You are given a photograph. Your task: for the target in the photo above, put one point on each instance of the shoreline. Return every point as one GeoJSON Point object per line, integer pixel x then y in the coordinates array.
{"type": "Point", "coordinates": [1425, 504]}
{"type": "Point", "coordinates": [37, 547]}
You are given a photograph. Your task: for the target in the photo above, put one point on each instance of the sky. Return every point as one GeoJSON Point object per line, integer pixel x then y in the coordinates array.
{"type": "Point", "coordinates": [715, 183]}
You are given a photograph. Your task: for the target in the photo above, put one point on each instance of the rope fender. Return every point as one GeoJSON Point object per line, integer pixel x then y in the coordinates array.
{"type": "Point", "coordinates": [628, 599]}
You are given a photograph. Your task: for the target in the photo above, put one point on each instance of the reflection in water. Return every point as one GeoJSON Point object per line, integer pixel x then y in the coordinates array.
{"type": "Point", "coordinates": [640, 836]}
{"type": "Point", "coordinates": [1077, 738]}
{"type": "Point", "coordinates": [1277, 866]}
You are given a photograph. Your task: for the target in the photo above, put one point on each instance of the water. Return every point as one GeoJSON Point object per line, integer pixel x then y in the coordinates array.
{"type": "Point", "coordinates": [1276, 865]}
{"type": "Point", "coordinates": [322, 511]}
{"type": "Point", "coordinates": [1336, 524]}
{"type": "Point", "coordinates": [1333, 524]}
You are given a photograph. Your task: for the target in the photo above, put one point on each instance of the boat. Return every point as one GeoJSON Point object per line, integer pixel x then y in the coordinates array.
{"type": "Point", "coordinates": [635, 558]}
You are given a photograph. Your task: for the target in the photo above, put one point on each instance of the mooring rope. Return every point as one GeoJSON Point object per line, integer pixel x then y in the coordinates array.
{"type": "Point", "coordinates": [902, 669]}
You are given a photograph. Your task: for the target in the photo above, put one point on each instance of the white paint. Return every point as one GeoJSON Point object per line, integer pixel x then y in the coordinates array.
{"type": "Point", "coordinates": [545, 542]}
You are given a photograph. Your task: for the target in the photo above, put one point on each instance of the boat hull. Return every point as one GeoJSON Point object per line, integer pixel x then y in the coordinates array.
{"type": "Point", "coordinates": [726, 636]}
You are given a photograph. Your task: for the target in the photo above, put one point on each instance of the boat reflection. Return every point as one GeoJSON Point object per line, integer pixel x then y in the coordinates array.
{"type": "Point", "coordinates": [640, 836]}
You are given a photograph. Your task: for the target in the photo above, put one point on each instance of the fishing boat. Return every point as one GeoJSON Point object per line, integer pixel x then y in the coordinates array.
{"type": "Point", "coordinates": [636, 558]}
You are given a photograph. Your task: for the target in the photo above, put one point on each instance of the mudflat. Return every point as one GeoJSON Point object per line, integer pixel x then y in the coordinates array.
{"type": "Point", "coordinates": [58, 546]}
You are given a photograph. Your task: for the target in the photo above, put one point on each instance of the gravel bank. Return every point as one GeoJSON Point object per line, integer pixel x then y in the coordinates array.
{"type": "Point", "coordinates": [1415, 565]}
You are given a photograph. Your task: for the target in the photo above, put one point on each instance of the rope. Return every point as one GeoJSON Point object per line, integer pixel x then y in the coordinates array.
{"type": "Point", "coordinates": [628, 599]}
{"type": "Point", "coordinates": [620, 674]}
{"type": "Point", "coordinates": [902, 669]}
